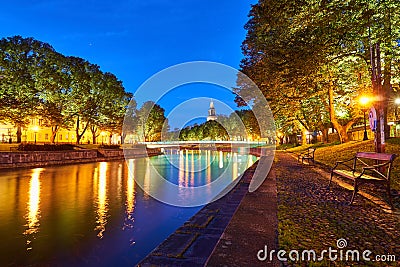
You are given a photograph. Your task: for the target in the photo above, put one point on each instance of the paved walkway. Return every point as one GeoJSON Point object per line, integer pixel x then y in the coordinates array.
{"type": "Point", "coordinates": [310, 216]}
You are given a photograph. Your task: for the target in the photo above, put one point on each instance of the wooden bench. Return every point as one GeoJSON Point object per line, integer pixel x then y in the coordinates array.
{"type": "Point", "coordinates": [307, 155]}
{"type": "Point", "coordinates": [367, 167]}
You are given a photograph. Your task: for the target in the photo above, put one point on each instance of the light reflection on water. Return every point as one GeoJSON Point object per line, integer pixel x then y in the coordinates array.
{"type": "Point", "coordinates": [102, 201]}
{"type": "Point", "coordinates": [33, 210]}
{"type": "Point", "coordinates": [95, 213]}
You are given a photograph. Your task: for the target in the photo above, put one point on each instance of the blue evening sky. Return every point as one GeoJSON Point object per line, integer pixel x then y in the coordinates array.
{"type": "Point", "coordinates": [136, 39]}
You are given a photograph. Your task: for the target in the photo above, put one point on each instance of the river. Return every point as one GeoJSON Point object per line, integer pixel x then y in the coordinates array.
{"type": "Point", "coordinates": [95, 214]}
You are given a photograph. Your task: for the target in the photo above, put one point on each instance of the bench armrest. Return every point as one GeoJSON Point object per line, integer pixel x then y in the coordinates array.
{"type": "Point", "coordinates": [346, 160]}
{"type": "Point", "coordinates": [303, 153]}
{"type": "Point", "coordinates": [343, 162]}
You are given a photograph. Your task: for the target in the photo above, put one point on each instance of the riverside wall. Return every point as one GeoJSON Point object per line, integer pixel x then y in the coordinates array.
{"type": "Point", "coordinates": [21, 159]}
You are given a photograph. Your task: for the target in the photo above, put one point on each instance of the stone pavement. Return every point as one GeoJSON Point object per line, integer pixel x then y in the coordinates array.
{"type": "Point", "coordinates": [310, 216]}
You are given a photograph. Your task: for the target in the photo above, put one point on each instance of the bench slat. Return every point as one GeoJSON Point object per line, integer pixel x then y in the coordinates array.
{"type": "Point", "coordinates": [384, 165]}
{"type": "Point", "coordinates": [376, 156]}
{"type": "Point", "coordinates": [350, 175]}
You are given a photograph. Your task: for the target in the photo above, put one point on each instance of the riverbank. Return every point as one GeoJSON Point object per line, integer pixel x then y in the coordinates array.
{"type": "Point", "coordinates": [29, 159]}
{"type": "Point", "coordinates": [193, 243]}
{"type": "Point", "coordinates": [309, 216]}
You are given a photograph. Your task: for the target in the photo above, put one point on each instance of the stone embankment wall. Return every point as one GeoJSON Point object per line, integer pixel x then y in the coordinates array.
{"type": "Point", "coordinates": [44, 158]}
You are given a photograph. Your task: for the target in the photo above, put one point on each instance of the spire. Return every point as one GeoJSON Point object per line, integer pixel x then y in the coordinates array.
{"type": "Point", "coordinates": [211, 104]}
{"type": "Point", "coordinates": [211, 112]}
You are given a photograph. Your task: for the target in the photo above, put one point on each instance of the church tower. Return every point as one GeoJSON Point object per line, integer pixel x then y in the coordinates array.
{"type": "Point", "coordinates": [211, 112]}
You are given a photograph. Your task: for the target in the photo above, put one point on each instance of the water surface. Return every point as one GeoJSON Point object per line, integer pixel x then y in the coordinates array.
{"type": "Point", "coordinates": [95, 214]}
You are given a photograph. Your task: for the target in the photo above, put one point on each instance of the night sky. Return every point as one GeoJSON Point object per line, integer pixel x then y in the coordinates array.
{"type": "Point", "coordinates": [136, 39]}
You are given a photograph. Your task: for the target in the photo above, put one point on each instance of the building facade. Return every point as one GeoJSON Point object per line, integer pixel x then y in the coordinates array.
{"type": "Point", "coordinates": [37, 132]}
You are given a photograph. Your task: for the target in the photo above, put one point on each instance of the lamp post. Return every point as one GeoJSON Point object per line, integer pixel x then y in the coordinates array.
{"type": "Point", "coordinates": [35, 130]}
{"type": "Point", "coordinates": [397, 102]}
{"type": "Point", "coordinates": [364, 102]}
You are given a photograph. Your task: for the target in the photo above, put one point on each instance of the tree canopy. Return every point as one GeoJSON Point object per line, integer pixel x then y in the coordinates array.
{"type": "Point", "coordinates": [36, 81]}
{"type": "Point", "coordinates": [312, 59]}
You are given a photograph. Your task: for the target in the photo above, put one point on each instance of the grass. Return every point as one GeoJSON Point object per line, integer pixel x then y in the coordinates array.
{"type": "Point", "coordinates": [328, 154]}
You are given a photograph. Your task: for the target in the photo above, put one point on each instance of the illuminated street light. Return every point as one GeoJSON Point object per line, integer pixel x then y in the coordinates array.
{"type": "Point", "coordinates": [397, 102]}
{"type": "Point", "coordinates": [35, 129]}
{"type": "Point", "coordinates": [364, 101]}
{"type": "Point", "coordinates": [396, 112]}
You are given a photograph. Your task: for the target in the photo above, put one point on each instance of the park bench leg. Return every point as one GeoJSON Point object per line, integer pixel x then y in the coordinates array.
{"type": "Point", "coordinates": [330, 181]}
{"type": "Point", "coordinates": [354, 191]}
{"type": "Point", "coordinates": [389, 194]}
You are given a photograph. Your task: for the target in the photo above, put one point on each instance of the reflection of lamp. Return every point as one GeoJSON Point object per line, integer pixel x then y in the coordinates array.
{"type": "Point", "coordinates": [364, 100]}
{"type": "Point", "coordinates": [35, 129]}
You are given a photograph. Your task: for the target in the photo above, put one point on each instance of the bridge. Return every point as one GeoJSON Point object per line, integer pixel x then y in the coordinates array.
{"type": "Point", "coordinates": [167, 144]}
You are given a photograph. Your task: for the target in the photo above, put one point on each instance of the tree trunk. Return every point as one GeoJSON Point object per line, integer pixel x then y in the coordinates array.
{"type": "Point", "coordinates": [303, 134]}
{"type": "Point", "coordinates": [342, 130]}
{"type": "Point", "coordinates": [293, 139]}
{"type": "Point", "coordinates": [325, 135]}
{"type": "Point", "coordinates": [54, 131]}
{"type": "Point", "coordinates": [387, 71]}
{"type": "Point", "coordinates": [123, 136]}
{"type": "Point", "coordinates": [19, 134]}
{"type": "Point", "coordinates": [79, 136]}
{"type": "Point", "coordinates": [376, 78]}
{"type": "Point", "coordinates": [93, 130]}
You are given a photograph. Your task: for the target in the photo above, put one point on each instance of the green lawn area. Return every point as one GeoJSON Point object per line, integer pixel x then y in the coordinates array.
{"type": "Point", "coordinates": [328, 154]}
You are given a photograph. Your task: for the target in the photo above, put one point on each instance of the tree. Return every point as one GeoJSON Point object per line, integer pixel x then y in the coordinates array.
{"type": "Point", "coordinates": [111, 108]}
{"type": "Point", "coordinates": [295, 49]}
{"type": "Point", "coordinates": [151, 120]}
{"type": "Point", "coordinates": [56, 95]}
{"type": "Point", "coordinates": [21, 61]}
{"type": "Point", "coordinates": [36, 81]}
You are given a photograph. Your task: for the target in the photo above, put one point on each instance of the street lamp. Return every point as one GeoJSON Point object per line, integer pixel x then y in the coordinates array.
{"type": "Point", "coordinates": [35, 130]}
{"type": "Point", "coordinates": [364, 100]}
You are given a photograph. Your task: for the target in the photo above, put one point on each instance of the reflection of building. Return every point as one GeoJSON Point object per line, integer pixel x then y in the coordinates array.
{"type": "Point", "coordinates": [211, 112]}
{"type": "Point", "coordinates": [36, 130]}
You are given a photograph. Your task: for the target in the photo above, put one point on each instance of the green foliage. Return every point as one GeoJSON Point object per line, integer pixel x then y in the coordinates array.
{"type": "Point", "coordinates": [296, 51]}
{"type": "Point", "coordinates": [35, 80]}
{"type": "Point", "coordinates": [151, 122]}
{"type": "Point", "coordinates": [394, 141]}
{"type": "Point", "coordinates": [210, 130]}
{"type": "Point", "coordinates": [239, 125]}
{"type": "Point", "coordinates": [20, 62]}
